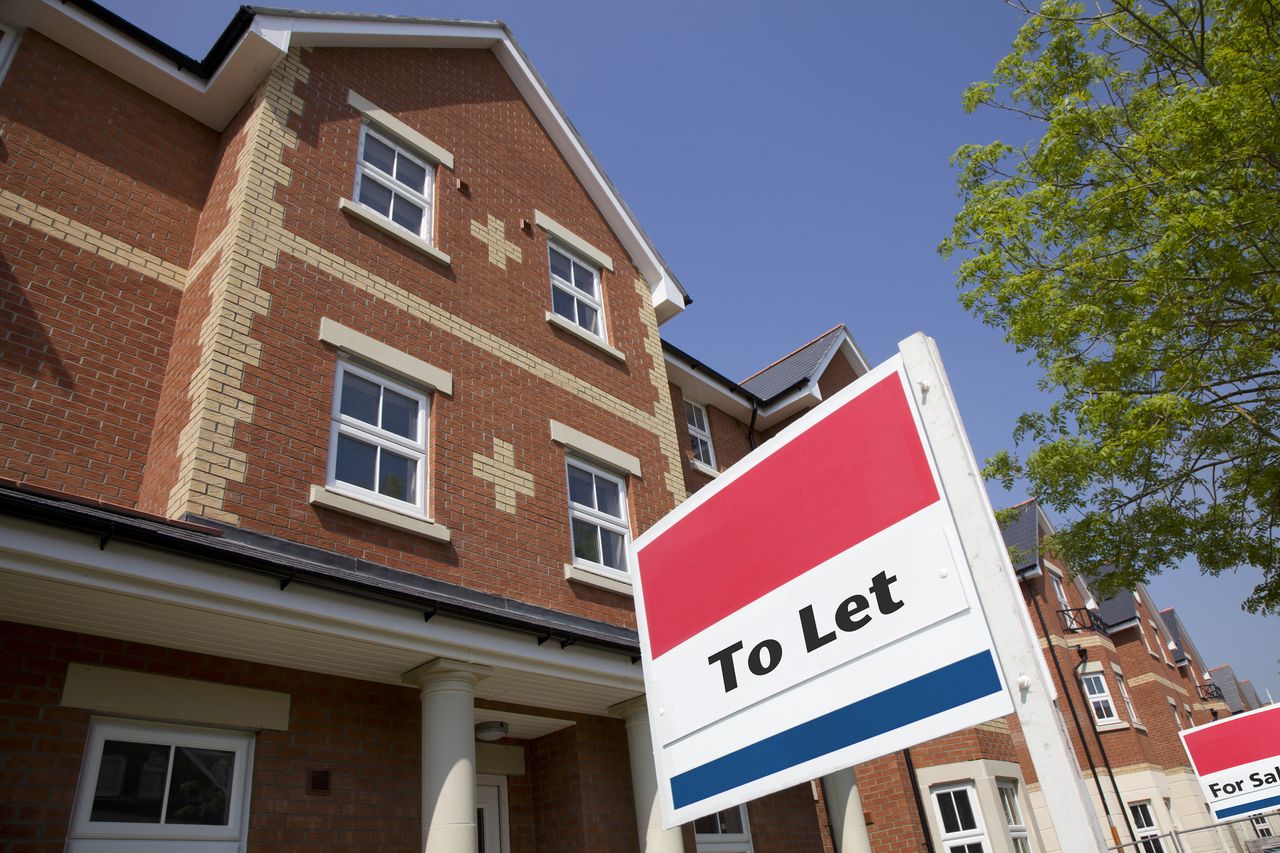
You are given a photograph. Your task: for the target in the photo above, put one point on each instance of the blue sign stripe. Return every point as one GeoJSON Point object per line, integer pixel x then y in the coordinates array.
{"type": "Point", "coordinates": [932, 693]}
{"type": "Point", "coordinates": [1247, 807]}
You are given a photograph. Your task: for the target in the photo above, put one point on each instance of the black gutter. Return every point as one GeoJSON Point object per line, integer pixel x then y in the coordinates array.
{"type": "Point", "coordinates": [1075, 717]}
{"type": "Point", "coordinates": [752, 398]}
{"type": "Point", "coordinates": [202, 68]}
{"type": "Point", "coordinates": [289, 562]}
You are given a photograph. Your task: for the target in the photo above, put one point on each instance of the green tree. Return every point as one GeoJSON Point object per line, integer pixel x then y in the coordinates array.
{"type": "Point", "coordinates": [1132, 251]}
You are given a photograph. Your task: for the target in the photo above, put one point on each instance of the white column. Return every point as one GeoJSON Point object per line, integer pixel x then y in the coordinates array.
{"type": "Point", "coordinates": [644, 780]}
{"type": "Point", "coordinates": [448, 690]}
{"type": "Point", "coordinates": [844, 807]}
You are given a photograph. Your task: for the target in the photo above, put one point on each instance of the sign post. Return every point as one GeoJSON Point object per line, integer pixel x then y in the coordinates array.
{"type": "Point", "coordinates": [1237, 760]}
{"type": "Point", "coordinates": [840, 594]}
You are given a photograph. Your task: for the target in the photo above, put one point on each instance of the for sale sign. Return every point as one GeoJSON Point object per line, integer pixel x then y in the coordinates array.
{"type": "Point", "coordinates": [1238, 762]}
{"type": "Point", "coordinates": [811, 609]}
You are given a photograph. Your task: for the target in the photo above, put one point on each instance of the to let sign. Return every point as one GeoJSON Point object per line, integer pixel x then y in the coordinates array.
{"type": "Point", "coordinates": [811, 608]}
{"type": "Point", "coordinates": [1238, 762]}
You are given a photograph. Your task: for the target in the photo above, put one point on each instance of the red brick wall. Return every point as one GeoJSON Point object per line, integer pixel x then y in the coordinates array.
{"type": "Point", "coordinates": [366, 734]}
{"type": "Point", "coordinates": [785, 822]}
{"type": "Point", "coordinates": [893, 820]}
{"type": "Point", "coordinates": [87, 339]}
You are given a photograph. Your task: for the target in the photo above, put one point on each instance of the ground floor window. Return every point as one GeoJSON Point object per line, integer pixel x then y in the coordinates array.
{"type": "Point", "coordinates": [156, 785]}
{"type": "Point", "coordinates": [1262, 826]}
{"type": "Point", "coordinates": [960, 818]}
{"type": "Point", "coordinates": [1144, 825]}
{"type": "Point", "coordinates": [724, 832]}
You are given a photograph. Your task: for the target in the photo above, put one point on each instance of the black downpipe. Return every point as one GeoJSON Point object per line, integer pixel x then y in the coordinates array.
{"type": "Point", "coordinates": [915, 790]}
{"type": "Point", "coordinates": [1124, 812]}
{"type": "Point", "coordinates": [1075, 715]}
{"type": "Point", "coordinates": [751, 428]}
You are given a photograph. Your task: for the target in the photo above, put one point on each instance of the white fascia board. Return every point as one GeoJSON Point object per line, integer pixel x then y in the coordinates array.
{"type": "Point", "coordinates": [373, 31]}
{"type": "Point", "coordinates": [213, 103]}
{"type": "Point", "coordinates": [701, 388]}
{"type": "Point", "coordinates": [799, 400]}
{"type": "Point", "coordinates": [38, 550]}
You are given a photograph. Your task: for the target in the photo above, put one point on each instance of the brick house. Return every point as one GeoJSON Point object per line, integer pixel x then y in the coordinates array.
{"type": "Point", "coordinates": [331, 393]}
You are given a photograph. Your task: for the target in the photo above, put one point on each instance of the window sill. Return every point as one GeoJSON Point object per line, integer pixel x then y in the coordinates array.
{"type": "Point", "coordinates": [368, 217]}
{"type": "Point", "coordinates": [576, 330]}
{"type": "Point", "coordinates": [1111, 727]}
{"type": "Point", "coordinates": [704, 469]}
{"type": "Point", "coordinates": [597, 578]}
{"type": "Point", "coordinates": [329, 499]}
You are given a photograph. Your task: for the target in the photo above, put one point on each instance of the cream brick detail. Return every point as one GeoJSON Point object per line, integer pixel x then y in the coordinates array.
{"type": "Point", "coordinates": [60, 227]}
{"type": "Point", "coordinates": [208, 459]}
{"type": "Point", "coordinates": [1139, 680]}
{"type": "Point", "coordinates": [999, 724]}
{"type": "Point", "coordinates": [501, 470]}
{"type": "Point", "coordinates": [494, 234]}
{"type": "Point", "coordinates": [663, 420]}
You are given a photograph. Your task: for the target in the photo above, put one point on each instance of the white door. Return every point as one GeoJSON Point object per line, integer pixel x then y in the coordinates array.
{"type": "Point", "coordinates": [492, 833]}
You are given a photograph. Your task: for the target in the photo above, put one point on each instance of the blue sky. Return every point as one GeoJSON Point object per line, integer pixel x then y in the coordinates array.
{"type": "Point", "coordinates": [791, 164]}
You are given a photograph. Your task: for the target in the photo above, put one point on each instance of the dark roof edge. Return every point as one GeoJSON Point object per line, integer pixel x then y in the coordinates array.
{"type": "Point", "coordinates": [289, 562]}
{"type": "Point", "coordinates": [202, 68]}
{"type": "Point", "coordinates": [700, 367]}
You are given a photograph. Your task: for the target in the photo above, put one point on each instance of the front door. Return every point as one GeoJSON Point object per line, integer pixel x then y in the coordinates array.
{"type": "Point", "coordinates": [491, 814]}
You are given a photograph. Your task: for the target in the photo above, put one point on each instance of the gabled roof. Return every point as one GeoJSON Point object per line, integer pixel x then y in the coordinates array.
{"type": "Point", "coordinates": [1022, 536]}
{"type": "Point", "coordinates": [806, 363]}
{"type": "Point", "coordinates": [1118, 610]}
{"type": "Point", "coordinates": [1224, 678]}
{"type": "Point", "coordinates": [213, 90]}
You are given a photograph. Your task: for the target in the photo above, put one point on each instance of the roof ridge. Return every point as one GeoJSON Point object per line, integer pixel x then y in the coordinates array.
{"type": "Point", "coordinates": [803, 346]}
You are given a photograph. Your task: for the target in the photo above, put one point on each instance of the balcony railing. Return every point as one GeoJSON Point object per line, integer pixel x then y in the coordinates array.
{"type": "Point", "coordinates": [1211, 693]}
{"type": "Point", "coordinates": [1079, 619]}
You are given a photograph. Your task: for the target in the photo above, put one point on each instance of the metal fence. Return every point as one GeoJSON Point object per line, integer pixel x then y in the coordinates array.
{"type": "Point", "coordinates": [1242, 835]}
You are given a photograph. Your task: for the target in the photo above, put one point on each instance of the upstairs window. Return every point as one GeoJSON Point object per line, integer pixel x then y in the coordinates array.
{"type": "Point", "coordinates": [1095, 688]}
{"type": "Point", "coordinates": [598, 516]}
{"type": "Point", "coordinates": [575, 291]}
{"type": "Point", "coordinates": [961, 822]}
{"type": "Point", "coordinates": [395, 184]}
{"type": "Point", "coordinates": [1069, 620]}
{"type": "Point", "coordinates": [1160, 641]}
{"type": "Point", "coordinates": [1124, 694]}
{"type": "Point", "coordinates": [378, 440]}
{"type": "Point", "coordinates": [700, 434]}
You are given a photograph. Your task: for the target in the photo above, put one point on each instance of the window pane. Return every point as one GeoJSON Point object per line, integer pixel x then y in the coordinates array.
{"type": "Point", "coordinates": [563, 304]}
{"type": "Point", "coordinates": [560, 266]}
{"type": "Point", "coordinates": [410, 174]}
{"type": "Point", "coordinates": [585, 546]}
{"type": "Point", "coordinates": [379, 153]}
{"type": "Point", "coordinates": [731, 821]}
{"type": "Point", "coordinates": [608, 497]}
{"type": "Point", "coordinates": [694, 415]}
{"type": "Point", "coordinates": [587, 318]}
{"type": "Point", "coordinates": [130, 785]}
{"type": "Point", "coordinates": [584, 279]}
{"type": "Point", "coordinates": [965, 810]}
{"type": "Point", "coordinates": [614, 546]}
{"type": "Point", "coordinates": [946, 804]}
{"type": "Point", "coordinates": [709, 825]}
{"type": "Point", "coordinates": [200, 788]}
{"type": "Point", "coordinates": [359, 398]}
{"type": "Point", "coordinates": [580, 488]}
{"type": "Point", "coordinates": [396, 477]}
{"type": "Point", "coordinates": [701, 450]}
{"type": "Point", "coordinates": [407, 215]}
{"type": "Point", "coordinates": [399, 414]}
{"type": "Point", "coordinates": [375, 195]}
{"type": "Point", "coordinates": [356, 462]}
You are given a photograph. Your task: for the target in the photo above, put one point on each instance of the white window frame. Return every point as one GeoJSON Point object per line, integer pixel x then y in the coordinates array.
{"type": "Point", "coordinates": [10, 36]}
{"type": "Point", "coordinates": [84, 829]}
{"type": "Point", "coordinates": [1146, 830]}
{"type": "Point", "coordinates": [1191, 720]}
{"type": "Point", "coordinates": [1262, 826]}
{"type": "Point", "coordinates": [726, 842]}
{"type": "Point", "coordinates": [961, 839]}
{"type": "Point", "coordinates": [1124, 694]}
{"type": "Point", "coordinates": [425, 199]}
{"type": "Point", "coordinates": [620, 525]}
{"type": "Point", "coordinates": [697, 434]}
{"type": "Point", "coordinates": [1146, 644]}
{"type": "Point", "coordinates": [1093, 697]}
{"type": "Point", "coordinates": [1064, 603]}
{"type": "Point", "coordinates": [341, 424]}
{"type": "Point", "coordinates": [1160, 642]}
{"type": "Point", "coordinates": [1011, 805]}
{"type": "Point", "coordinates": [594, 300]}
{"type": "Point", "coordinates": [1177, 718]}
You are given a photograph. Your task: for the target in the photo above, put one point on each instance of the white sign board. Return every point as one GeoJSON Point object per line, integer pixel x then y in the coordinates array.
{"type": "Point", "coordinates": [1238, 762]}
{"type": "Point", "coordinates": [811, 608]}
